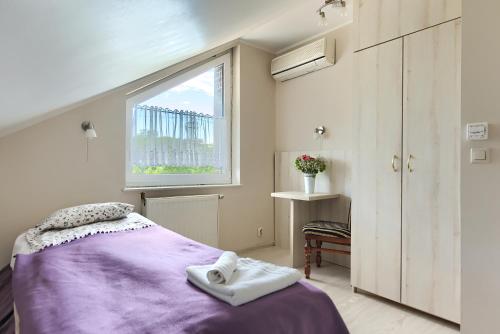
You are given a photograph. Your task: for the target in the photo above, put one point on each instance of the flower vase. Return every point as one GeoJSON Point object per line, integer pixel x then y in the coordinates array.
{"type": "Point", "coordinates": [309, 183]}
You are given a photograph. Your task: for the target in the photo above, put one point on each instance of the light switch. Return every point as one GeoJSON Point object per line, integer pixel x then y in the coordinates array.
{"type": "Point", "coordinates": [477, 131]}
{"type": "Point", "coordinates": [479, 155]}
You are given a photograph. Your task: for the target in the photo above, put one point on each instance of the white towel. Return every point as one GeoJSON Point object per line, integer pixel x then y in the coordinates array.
{"type": "Point", "coordinates": [251, 280]}
{"type": "Point", "coordinates": [223, 269]}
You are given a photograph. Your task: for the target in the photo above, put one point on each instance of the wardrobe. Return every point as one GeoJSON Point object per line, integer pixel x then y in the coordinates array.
{"type": "Point", "coordinates": [406, 153]}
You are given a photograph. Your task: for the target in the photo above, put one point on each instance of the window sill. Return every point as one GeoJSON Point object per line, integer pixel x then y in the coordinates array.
{"type": "Point", "coordinates": [194, 186]}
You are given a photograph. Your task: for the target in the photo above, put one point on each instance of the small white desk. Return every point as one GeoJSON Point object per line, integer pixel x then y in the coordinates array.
{"type": "Point", "coordinates": [303, 208]}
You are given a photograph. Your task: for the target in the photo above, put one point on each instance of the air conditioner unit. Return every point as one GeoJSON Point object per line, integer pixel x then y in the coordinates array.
{"type": "Point", "coordinates": [309, 58]}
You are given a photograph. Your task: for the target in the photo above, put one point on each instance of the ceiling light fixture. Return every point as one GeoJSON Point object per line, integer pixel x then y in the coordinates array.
{"type": "Point", "coordinates": [334, 3]}
{"type": "Point", "coordinates": [323, 22]}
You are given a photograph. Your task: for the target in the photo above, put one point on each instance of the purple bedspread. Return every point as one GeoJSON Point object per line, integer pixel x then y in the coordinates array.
{"type": "Point", "coordinates": [135, 282]}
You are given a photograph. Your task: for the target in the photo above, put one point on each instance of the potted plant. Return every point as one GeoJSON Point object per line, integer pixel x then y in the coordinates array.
{"type": "Point", "coordinates": [310, 167]}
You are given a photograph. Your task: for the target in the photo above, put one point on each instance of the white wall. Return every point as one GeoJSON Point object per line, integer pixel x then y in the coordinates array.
{"type": "Point", "coordinates": [44, 168]}
{"type": "Point", "coordinates": [320, 98]}
{"type": "Point", "coordinates": [480, 184]}
{"type": "Point", "coordinates": [302, 104]}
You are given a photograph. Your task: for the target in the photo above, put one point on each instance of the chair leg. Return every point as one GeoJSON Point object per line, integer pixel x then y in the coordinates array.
{"type": "Point", "coordinates": [307, 253]}
{"type": "Point", "coordinates": [318, 253]}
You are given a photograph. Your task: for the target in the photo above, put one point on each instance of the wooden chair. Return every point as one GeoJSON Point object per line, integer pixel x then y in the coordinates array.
{"type": "Point", "coordinates": [328, 232]}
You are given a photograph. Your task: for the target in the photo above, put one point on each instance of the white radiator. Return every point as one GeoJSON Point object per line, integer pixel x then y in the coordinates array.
{"type": "Point", "coordinates": [195, 217]}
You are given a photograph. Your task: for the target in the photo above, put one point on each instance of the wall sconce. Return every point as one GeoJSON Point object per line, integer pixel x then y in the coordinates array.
{"type": "Point", "coordinates": [320, 130]}
{"type": "Point", "coordinates": [318, 134]}
{"type": "Point", "coordinates": [89, 130]}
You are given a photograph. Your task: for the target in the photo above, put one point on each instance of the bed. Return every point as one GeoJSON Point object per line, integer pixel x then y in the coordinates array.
{"type": "Point", "coordinates": [135, 282]}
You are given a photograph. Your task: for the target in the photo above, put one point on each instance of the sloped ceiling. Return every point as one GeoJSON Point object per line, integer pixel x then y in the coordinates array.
{"type": "Point", "coordinates": [55, 53]}
{"type": "Point", "coordinates": [297, 24]}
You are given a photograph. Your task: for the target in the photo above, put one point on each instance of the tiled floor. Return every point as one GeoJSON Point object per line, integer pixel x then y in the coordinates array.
{"type": "Point", "coordinates": [363, 314]}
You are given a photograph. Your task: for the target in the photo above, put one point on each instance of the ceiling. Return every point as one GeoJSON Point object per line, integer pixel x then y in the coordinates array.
{"type": "Point", "coordinates": [57, 53]}
{"type": "Point", "coordinates": [297, 24]}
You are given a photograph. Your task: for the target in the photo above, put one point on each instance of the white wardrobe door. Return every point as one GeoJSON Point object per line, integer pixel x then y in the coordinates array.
{"type": "Point", "coordinates": [377, 21]}
{"type": "Point", "coordinates": [376, 214]}
{"type": "Point", "coordinates": [431, 146]}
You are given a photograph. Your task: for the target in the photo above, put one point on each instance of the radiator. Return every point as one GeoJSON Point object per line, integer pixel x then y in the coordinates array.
{"type": "Point", "coordinates": [195, 217]}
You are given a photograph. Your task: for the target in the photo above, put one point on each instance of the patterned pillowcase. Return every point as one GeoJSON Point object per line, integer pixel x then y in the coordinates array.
{"type": "Point", "coordinates": [85, 214]}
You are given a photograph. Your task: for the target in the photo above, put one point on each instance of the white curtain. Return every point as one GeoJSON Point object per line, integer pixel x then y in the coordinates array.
{"type": "Point", "coordinates": [164, 137]}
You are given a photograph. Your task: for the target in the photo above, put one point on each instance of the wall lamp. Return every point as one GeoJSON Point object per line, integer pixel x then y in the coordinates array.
{"type": "Point", "coordinates": [89, 130]}
{"type": "Point", "coordinates": [320, 130]}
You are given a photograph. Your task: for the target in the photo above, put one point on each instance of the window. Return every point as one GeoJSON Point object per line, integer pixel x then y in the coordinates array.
{"type": "Point", "coordinates": [179, 131]}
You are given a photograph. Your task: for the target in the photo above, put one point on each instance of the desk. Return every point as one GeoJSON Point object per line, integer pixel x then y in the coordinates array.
{"type": "Point", "coordinates": [303, 209]}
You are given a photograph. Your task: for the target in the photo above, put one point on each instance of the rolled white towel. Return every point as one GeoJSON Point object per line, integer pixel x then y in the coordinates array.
{"type": "Point", "coordinates": [222, 270]}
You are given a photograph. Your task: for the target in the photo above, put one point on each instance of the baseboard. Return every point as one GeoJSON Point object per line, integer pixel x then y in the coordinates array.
{"type": "Point", "coordinates": [272, 244]}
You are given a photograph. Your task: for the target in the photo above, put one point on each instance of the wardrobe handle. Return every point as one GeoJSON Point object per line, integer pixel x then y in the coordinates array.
{"type": "Point", "coordinates": [410, 168]}
{"type": "Point", "coordinates": [394, 167]}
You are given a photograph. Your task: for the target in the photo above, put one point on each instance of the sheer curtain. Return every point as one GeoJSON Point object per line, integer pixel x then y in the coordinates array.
{"type": "Point", "coordinates": [165, 137]}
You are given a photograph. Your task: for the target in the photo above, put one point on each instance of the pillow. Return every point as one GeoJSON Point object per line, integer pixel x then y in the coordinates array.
{"type": "Point", "coordinates": [85, 214]}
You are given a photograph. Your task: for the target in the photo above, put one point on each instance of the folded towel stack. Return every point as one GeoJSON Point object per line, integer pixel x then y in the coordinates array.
{"type": "Point", "coordinates": [250, 280]}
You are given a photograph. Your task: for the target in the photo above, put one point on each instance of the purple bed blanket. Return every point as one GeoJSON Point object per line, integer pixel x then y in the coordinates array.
{"type": "Point", "coordinates": [135, 282]}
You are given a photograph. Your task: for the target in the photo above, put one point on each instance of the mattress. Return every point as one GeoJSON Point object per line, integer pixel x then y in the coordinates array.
{"type": "Point", "coordinates": [135, 282]}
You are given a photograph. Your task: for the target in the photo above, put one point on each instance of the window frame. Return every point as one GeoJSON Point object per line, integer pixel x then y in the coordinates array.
{"type": "Point", "coordinates": [189, 180]}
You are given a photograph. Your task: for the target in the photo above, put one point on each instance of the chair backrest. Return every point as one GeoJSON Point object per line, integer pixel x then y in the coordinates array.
{"type": "Point", "coordinates": [345, 221]}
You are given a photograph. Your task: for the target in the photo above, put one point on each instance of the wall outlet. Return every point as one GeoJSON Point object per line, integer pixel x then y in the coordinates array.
{"type": "Point", "coordinates": [260, 231]}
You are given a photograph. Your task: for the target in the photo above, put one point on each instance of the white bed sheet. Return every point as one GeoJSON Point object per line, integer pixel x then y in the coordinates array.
{"type": "Point", "coordinates": [20, 247]}
{"type": "Point", "coordinates": [16, 320]}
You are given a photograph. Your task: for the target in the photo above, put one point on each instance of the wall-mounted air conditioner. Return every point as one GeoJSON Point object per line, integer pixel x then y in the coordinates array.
{"type": "Point", "coordinates": [306, 59]}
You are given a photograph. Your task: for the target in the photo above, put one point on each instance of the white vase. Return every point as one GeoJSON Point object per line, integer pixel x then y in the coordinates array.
{"type": "Point", "coordinates": [309, 183]}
